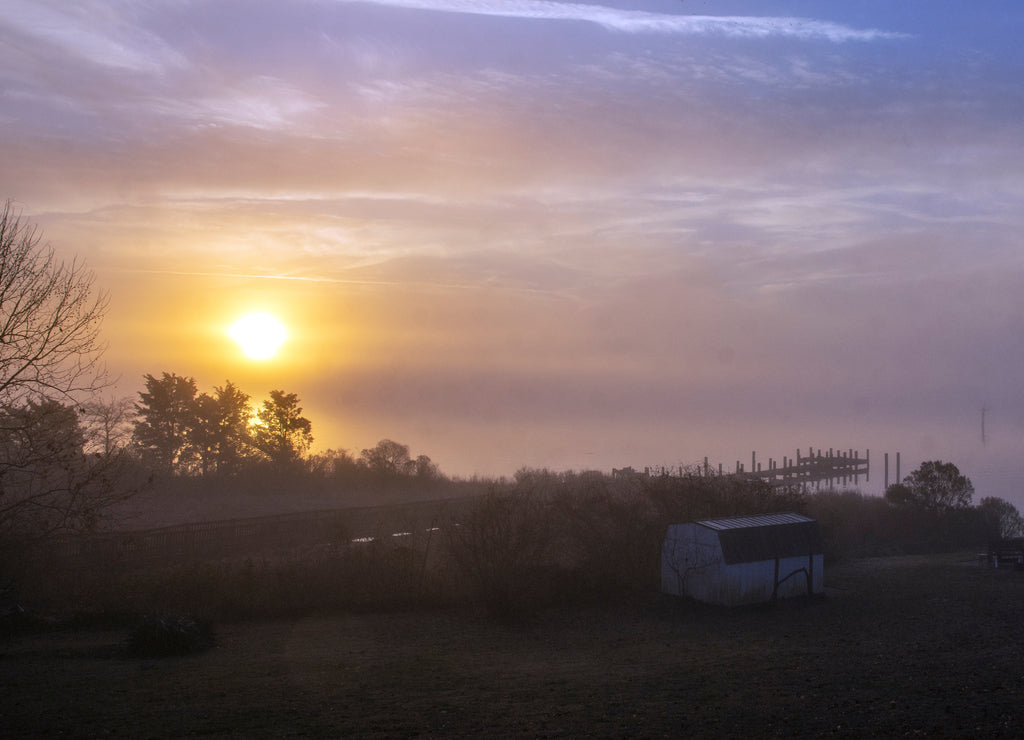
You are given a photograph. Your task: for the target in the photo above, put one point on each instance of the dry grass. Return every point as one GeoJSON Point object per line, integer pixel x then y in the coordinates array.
{"type": "Point", "coordinates": [900, 646]}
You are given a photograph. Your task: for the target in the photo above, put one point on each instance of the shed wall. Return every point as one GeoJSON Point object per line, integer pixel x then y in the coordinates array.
{"type": "Point", "coordinates": [689, 552]}
{"type": "Point", "coordinates": [752, 583]}
{"type": "Point", "coordinates": [693, 565]}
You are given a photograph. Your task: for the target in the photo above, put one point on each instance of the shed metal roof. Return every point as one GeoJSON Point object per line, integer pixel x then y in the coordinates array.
{"type": "Point", "coordinates": [762, 520]}
{"type": "Point", "coordinates": [756, 538]}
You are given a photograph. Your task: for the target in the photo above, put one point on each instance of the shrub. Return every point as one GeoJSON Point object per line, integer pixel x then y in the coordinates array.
{"type": "Point", "coordinates": [502, 548]}
{"type": "Point", "coordinates": [610, 541]}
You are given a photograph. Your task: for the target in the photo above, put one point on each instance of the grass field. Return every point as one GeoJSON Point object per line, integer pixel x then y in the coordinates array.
{"type": "Point", "coordinates": [898, 647]}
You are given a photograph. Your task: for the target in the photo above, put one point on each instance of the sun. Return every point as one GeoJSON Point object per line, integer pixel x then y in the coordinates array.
{"type": "Point", "coordinates": [259, 335]}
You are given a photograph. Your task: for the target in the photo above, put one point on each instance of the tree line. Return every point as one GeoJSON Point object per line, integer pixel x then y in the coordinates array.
{"type": "Point", "coordinates": [180, 431]}
{"type": "Point", "coordinates": [67, 455]}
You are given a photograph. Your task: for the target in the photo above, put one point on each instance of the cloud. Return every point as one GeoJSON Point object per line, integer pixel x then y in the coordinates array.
{"type": "Point", "coordinates": [630, 21]}
{"type": "Point", "coordinates": [91, 33]}
{"type": "Point", "coordinates": [263, 103]}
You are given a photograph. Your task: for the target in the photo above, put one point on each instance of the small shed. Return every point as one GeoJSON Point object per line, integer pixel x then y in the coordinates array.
{"type": "Point", "coordinates": [743, 560]}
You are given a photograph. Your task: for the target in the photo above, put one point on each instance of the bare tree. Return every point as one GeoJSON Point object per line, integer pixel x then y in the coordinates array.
{"type": "Point", "coordinates": [48, 483]}
{"type": "Point", "coordinates": [687, 558]}
{"type": "Point", "coordinates": [50, 367]}
{"type": "Point", "coordinates": [49, 320]}
{"type": "Point", "coordinates": [108, 425]}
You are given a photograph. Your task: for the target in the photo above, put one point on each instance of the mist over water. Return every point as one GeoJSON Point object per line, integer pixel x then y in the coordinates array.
{"type": "Point", "coordinates": [995, 467]}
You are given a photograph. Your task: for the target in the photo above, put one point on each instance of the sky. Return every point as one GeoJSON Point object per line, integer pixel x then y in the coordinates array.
{"type": "Point", "coordinates": [576, 235]}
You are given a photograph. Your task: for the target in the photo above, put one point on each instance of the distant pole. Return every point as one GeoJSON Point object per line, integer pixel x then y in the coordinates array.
{"type": "Point", "coordinates": [867, 466]}
{"type": "Point", "coordinates": [898, 478]}
{"type": "Point", "coordinates": [886, 471]}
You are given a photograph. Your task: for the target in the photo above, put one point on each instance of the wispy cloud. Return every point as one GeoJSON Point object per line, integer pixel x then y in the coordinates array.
{"type": "Point", "coordinates": [631, 21]}
{"type": "Point", "coordinates": [263, 103]}
{"type": "Point", "coordinates": [94, 34]}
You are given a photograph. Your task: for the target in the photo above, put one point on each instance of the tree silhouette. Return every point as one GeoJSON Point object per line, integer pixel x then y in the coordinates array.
{"type": "Point", "coordinates": [167, 419]}
{"type": "Point", "coordinates": [234, 415]}
{"type": "Point", "coordinates": [49, 320]}
{"type": "Point", "coordinates": [426, 469]}
{"type": "Point", "coordinates": [389, 458]}
{"type": "Point", "coordinates": [935, 486]}
{"type": "Point", "coordinates": [50, 366]}
{"type": "Point", "coordinates": [49, 484]}
{"type": "Point", "coordinates": [1001, 518]}
{"type": "Point", "coordinates": [108, 425]}
{"type": "Point", "coordinates": [220, 435]}
{"type": "Point", "coordinates": [281, 432]}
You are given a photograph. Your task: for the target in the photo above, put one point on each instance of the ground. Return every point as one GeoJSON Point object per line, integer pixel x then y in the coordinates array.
{"type": "Point", "coordinates": [898, 647]}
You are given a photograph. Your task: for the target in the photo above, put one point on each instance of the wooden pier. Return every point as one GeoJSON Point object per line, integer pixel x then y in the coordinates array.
{"type": "Point", "coordinates": [819, 467]}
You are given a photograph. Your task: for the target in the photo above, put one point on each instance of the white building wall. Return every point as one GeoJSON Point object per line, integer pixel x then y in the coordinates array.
{"type": "Point", "coordinates": [692, 565]}
{"type": "Point", "coordinates": [752, 583]}
{"type": "Point", "coordinates": [690, 555]}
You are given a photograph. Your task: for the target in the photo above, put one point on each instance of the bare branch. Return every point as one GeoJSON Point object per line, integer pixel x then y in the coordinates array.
{"type": "Point", "coordinates": [50, 319]}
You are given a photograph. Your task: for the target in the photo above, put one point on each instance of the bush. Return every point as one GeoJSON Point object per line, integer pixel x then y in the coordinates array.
{"type": "Point", "coordinates": [610, 541]}
{"type": "Point", "coordinates": [502, 548]}
{"type": "Point", "coordinates": [854, 525]}
{"type": "Point", "coordinates": [692, 497]}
